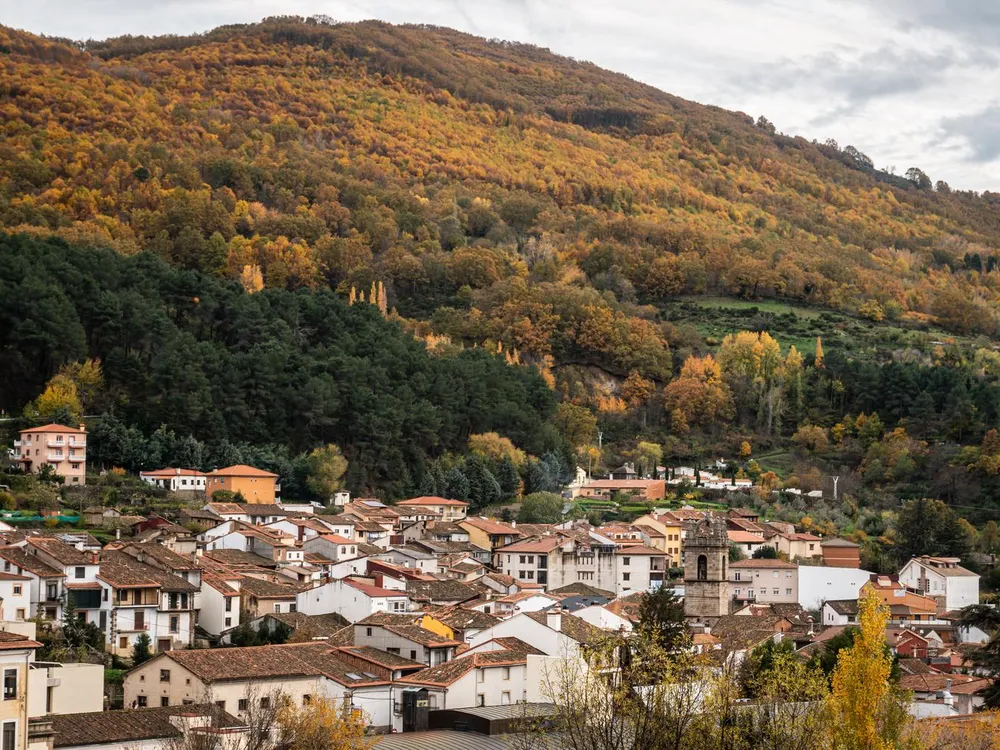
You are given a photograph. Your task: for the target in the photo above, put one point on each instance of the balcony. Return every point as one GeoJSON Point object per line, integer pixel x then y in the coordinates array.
{"type": "Point", "coordinates": [55, 458]}
{"type": "Point", "coordinates": [17, 443]}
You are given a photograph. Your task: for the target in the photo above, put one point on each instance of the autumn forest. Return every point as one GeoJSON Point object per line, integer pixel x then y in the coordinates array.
{"type": "Point", "coordinates": [609, 258]}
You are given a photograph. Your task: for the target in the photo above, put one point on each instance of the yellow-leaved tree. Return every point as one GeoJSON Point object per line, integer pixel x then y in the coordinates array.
{"type": "Point", "coordinates": [323, 724]}
{"type": "Point", "coordinates": [867, 710]}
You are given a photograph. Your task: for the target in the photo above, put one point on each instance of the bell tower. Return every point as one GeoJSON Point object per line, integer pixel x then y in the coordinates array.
{"type": "Point", "coordinates": [706, 574]}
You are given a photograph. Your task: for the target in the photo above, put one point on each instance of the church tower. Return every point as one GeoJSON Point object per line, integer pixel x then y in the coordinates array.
{"type": "Point", "coordinates": [706, 574]}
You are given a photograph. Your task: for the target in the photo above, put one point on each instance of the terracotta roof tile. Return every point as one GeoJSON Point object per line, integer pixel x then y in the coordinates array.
{"type": "Point", "coordinates": [132, 726]}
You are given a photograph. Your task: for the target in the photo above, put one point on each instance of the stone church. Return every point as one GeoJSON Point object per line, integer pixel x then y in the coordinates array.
{"type": "Point", "coordinates": [706, 571]}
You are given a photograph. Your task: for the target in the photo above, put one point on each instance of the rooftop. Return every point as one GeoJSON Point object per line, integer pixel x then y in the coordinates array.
{"type": "Point", "coordinates": [132, 726]}
{"type": "Point", "coordinates": [765, 564]}
{"type": "Point", "coordinates": [430, 500]}
{"type": "Point", "coordinates": [55, 428]}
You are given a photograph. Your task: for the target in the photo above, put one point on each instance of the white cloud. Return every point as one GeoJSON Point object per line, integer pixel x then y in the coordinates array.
{"type": "Point", "coordinates": [899, 79]}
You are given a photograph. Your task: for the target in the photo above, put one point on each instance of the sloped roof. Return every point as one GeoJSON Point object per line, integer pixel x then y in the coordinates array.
{"type": "Point", "coordinates": [489, 525]}
{"type": "Point", "coordinates": [64, 554]}
{"type": "Point", "coordinates": [765, 564]}
{"type": "Point", "coordinates": [431, 500]}
{"type": "Point", "coordinates": [124, 571]}
{"type": "Point", "coordinates": [843, 606]}
{"type": "Point", "coordinates": [130, 726]}
{"type": "Point", "coordinates": [263, 589]}
{"type": "Point", "coordinates": [54, 428]}
{"type": "Point", "coordinates": [17, 556]}
{"type": "Point", "coordinates": [579, 630]}
{"type": "Point", "coordinates": [443, 591]}
{"type": "Point", "coordinates": [167, 473]}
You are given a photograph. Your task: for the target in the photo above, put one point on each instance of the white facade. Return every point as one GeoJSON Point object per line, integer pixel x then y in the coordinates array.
{"type": "Point", "coordinates": [219, 611]}
{"type": "Point", "coordinates": [175, 480]}
{"type": "Point", "coordinates": [349, 600]}
{"type": "Point", "coordinates": [545, 638]}
{"type": "Point", "coordinates": [819, 583]}
{"type": "Point", "coordinates": [941, 578]}
{"type": "Point", "coordinates": [65, 688]}
{"type": "Point", "coordinates": [333, 546]}
{"type": "Point", "coordinates": [602, 617]}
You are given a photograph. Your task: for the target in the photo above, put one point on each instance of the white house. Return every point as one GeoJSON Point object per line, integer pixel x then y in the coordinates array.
{"type": "Point", "coordinates": [333, 546]}
{"type": "Point", "coordinates": [350, 598]}
{"type": "Point", "coordinates": [45, 583]}
{"type": "Point", "coordinates": [220, 602]}
{"type": "Point", "coordinates": [943, 579]}
{"type": "Point", "coordinates": [175, 480]}
{"type": "Point", "coordinates": [601, 617]}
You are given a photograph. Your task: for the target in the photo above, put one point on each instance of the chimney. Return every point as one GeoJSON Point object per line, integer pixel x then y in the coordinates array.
{"type": "Point", "coordinates": [553, 618]}
{"type": "Point", "coordinates": [177, 471]}
{"type": "Point", "coordinates": [83, 427]}
{"type": "Point", "coordinates": [513, 524]}
{"type": "Point", "coordinates": [95, 558]}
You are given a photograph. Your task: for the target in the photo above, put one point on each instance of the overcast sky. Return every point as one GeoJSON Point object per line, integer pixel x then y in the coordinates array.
{"type": "Point", "coordinates": [909, 82]}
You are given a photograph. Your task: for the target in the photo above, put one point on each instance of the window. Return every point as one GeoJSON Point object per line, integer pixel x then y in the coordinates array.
{"type": "Point", "coordinates": [221, 705]}
{"type": "Point", "coordinates": [175, 624]}
{"type": "Point", "coordinates": [229, 604]}
{"type": "Point", "coordinates": [626, 576]}
{"type": "Point", "coordinates": [140, 620]}
{"type": "Point", "coordinates": [165, 700]}
{"type": "Point", "coordinates": [788, 592]}
{"type": "Point", "coordinates": [229, 621]}
{"type": "Point", "coordinates": [243, 705]}
{"type": "Point", "coordinates": [265, 702]}
{"type": "Point", "coordinates": [51, 591]}
{"type": "Point", "coordinates": [104, 594]}
{"type": "Point", "coordinates": [788, 574]}
{"type": "Point", "coordinates": [702, 568]}
{"type": "Point", "coordinates": [774, 574]}
{"type": "Point", "coordinates": [480, 700]}
{"type": "Point", "coordinates": [292, 607]}
{"type": "Point", "coordinates": [585, 575]}
{"type": "Point", "coordinates": [413, 654]}
{"type": "Point", "coordinates": [17, 589]}
{"type": "Point", "coordinates": [626, 560]}
{"type": "Point", "coordinates": [774, 591]}
{"type": "Point", "coordinates": [80, 572]}
{"type": "Point", "coordinates": [164, 675]}
{"type": "Point", "coordinates": [9, 684]}
{"type": "Point", "coordinates": [523, 559]}
{"type": "Point", "coordinates": [306, 699]}
{"type": "Point", "coordinates": [142, 701]}
{"type": "Point", "coordinates": [368, 632]}
{"type": "Point", "coordinates": [505, 673]}
{"type": "Point", "coordinates": [123, 642]}
{"type": "Point", "coordinates": [277, 608]}
{"type": "Point", "coordinates": [505, 698]}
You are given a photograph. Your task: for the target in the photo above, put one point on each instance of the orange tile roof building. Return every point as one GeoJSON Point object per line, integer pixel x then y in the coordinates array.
{"type": "Point", "coordinates": [258, 487]}
{"type": "Point", "coordinates": [451, 510]}
{"type": "Point", "coordinates": [63, 448]}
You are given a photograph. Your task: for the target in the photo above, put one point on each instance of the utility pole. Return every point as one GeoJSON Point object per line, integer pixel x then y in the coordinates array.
{"type": "Point", "coordinates": [600, 439]}
{"type": "Point", "coordinates": [835, 480]}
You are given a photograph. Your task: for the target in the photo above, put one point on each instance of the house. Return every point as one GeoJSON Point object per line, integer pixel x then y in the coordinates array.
{"type": "Point", "coordinates": [625, 471]}
{"type": "Point", "coordinates": [551, 632]}
{"type": "Point", "coordinates": [441, 593]}
{"type": "Point", "coordinates": [411, 557]}
{"type": "Point", "coordinates": [456, 623]}
{"type": "Point", "coordinates": [764, 581]}
{"type": "Point", "coordinates": [943, 579]}
{"type": "Point", "coordinates": [795, 545]}
{"type": "Point", "coordinates": [192, 725]}
{"type": "Point", "coordinates": [302, 627]}
{"type": "Point", "coordinates": [451, 510]}
{"type": "Point", "coordinates": [401, 634]}
{"type": "Point", "coordinates": [45, 583]}
{"type": "Point", "coordinates": [904, 606]}
{"type": "Point", "coordinates": [670, 534]}
{"type": "Point", "coordinates": [747, 541]}
{"type": "Point", "coordinates": [232, 678]}
{"type": "Point", "coordinates": [63, 448]}
{"type": "Point", "coordinates": [255, 486]}
{"type": "Point", "coordinates": [15, 597]}
{"type": "Point", "coordinates": [352, 598]}
{"type": "Point", "coordinates": [137, 598]}
{"type": "Point", "coordinates": [840, 612]}
{"type": "Point", "coordinates": [492, 674]}
{"type": "Point", "coordinates": [489, 534]}
{"type": "Point", "coordinates": [637, 489]}
{"type": "Point", "coordinates": [220, 601]}
{"type": "Point", "coordinates": [79, 571]}
{"type": "Point", "coordinates": [16, 654]}
{"type": "Point", "coordinates": [962, 693]}
{"type": "Point", "coordinates": [582, 555]}
{"type": "Point", "coordinates": [263, 594]}
{"type": "Point", "coordinates": [175, 480]}
{"type": "Point", "coordinates": [840, 553]}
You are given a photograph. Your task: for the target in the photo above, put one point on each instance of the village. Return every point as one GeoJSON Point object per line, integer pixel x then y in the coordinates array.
{"type": "Point", "coordinates": [417, 615]}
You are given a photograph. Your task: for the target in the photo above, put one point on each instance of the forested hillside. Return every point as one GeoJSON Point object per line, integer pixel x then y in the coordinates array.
{"type": "Point", "coordinates": [600, 236]}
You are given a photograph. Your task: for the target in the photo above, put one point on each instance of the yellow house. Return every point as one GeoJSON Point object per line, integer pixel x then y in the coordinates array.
{"type": "Point", "coordinates": [257, 486]}
{"type": "Point", "coordinates": [488, 534]}
{"type": "Point", "coordinates": [669, 538]}
{"type": "Point", "coordinates": [431, 623]}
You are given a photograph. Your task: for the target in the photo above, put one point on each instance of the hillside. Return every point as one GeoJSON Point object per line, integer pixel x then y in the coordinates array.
{"type": "Point", "coordinates": [606, 233]}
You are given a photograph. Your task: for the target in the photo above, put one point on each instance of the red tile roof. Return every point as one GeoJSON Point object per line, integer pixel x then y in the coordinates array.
{"type": "Point", "coordinates": [429, 500]}
{"type": "Point", "coordinates": [55, 428]}
{"type": "Point", "coordinates": [765, 564]}
{"type": "Point", "coordinates": [165, 473]}
{"type": "Point", "coordinates": [745, 537]}
{"type": "Point", "coordinates": [371, 590]}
